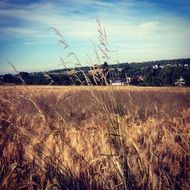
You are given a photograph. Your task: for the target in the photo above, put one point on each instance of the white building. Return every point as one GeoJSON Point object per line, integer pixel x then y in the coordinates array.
{"type": "Point", "coordinates": [180, 82]}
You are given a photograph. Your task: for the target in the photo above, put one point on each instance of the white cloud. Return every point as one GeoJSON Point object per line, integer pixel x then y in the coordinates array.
{"type": "Point", "coordinates": [134, 34]}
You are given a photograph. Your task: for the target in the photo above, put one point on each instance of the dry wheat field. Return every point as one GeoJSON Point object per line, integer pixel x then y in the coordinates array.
{"type": "Point", "coordinates": [96, 138]}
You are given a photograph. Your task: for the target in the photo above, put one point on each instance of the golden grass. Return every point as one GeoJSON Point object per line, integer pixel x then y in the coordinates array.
{"type": "Point", "coordinates": [94, 138]}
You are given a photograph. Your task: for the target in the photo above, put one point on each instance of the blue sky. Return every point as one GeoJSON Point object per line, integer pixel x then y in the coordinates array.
{"type": "Point", "coordinates": [138, 30]}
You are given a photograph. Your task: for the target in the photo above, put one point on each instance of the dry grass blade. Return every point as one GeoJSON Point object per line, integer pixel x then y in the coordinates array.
{"type": "Point", "coordinates": [23, 82]}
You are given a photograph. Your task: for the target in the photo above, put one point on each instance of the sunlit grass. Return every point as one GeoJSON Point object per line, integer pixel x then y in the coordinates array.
{"type": "Point", "coordinates": [94, 137]}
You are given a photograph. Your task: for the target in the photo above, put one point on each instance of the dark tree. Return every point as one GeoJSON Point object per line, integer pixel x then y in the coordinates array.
{"type": "Point", "coordinates": [105, 72]}
{"type": "Point", "coordinates": [8, 78]}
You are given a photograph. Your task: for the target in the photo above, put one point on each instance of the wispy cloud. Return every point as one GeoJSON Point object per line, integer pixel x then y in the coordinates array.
{"type": "Point", "coordinates": [135, 28]}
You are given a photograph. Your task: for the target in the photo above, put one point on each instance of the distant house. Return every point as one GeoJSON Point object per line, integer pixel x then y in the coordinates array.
{"type": "Point", "coordinates": [116, 82]}
{"type": "Point", "coordinates": [180, 82]}
{"type": "Point", "coordinates": [186, 65]}
{"type": "Point", "coordinates": [120, 82]}
{"type": "Point", "coordinates": [155, 67]}
{"type": "Point", "coordinates": [119, 69]}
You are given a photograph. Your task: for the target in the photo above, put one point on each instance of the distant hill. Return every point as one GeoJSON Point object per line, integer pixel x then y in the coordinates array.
{"type": "Point", "coordinates": [150, 73]}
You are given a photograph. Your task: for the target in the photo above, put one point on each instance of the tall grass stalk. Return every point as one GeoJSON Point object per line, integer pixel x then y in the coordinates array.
{"type": "Point", "coordinates": [93, 137]}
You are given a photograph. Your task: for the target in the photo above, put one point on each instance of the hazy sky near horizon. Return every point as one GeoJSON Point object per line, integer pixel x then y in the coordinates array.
{"type": "Point", "coordinates": [139, 30]}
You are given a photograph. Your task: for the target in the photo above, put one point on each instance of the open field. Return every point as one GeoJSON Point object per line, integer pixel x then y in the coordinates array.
{"type": "Point", "coordinates": [94, 138]}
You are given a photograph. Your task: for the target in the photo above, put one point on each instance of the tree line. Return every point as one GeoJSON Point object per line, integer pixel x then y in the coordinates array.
{"type": "Point", "coordinates": [154, 73]}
